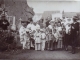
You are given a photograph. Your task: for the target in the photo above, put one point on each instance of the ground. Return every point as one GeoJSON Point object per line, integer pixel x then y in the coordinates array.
{"type": "Point", "coordinates": [38, 55]}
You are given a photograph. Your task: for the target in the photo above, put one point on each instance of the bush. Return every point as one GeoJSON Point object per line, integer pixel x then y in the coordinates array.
{"type": "Point", "coordinates": [6, 41]}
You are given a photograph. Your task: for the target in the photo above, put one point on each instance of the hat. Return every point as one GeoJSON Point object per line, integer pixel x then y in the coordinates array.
{"type": "Point", "coordinates": [37, 28]}
{"type": "Point", "coordinates": [41, 30]}
{"type": "Point", "coordinates": [75, 18]}
{"type": "Point", "coordinates": [30, 19]}
{"type": "Point", "coordinates": [51, 21]}
{"type": "Point", "coordinates": [25, 22]}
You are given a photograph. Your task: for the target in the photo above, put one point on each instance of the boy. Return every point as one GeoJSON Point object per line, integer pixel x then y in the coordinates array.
{"type": "Point", "coordinates": [43, 37]}
{"type": "Point", "coordinates": [47, 39]}
{"type": "Point", "coordinates": [63, 37]}
{"type": "Point", "coordinates": [50, 40]}
{"type": "Point", "coordinates": [37, 38]}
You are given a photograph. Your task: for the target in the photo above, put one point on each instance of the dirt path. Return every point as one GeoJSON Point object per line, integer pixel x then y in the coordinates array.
{"type": "Point", "coordinates": [39, 55]}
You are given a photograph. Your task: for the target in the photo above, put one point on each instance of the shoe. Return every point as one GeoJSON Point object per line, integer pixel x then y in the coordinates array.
{"type": "Point", "coordinates": [73, 52]}
{"type": "Point", "coordinates": [66, 49]}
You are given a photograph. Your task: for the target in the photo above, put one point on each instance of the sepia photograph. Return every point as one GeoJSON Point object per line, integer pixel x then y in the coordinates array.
{"type": "Point", "coordinates": [39, 29]}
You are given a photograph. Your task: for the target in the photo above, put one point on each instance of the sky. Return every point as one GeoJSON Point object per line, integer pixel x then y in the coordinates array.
{"type": "Point", "coordinates": [40, 6]}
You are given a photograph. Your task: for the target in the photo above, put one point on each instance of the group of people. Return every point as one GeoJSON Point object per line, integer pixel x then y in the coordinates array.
{"type": "Point", "coordinates": [55, 35]}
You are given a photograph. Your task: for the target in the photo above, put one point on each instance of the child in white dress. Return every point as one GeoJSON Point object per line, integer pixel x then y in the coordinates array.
{"type": "Point", "coordinates": [43, 38]}
{"type": "Point", "coordinates": [37, 38]}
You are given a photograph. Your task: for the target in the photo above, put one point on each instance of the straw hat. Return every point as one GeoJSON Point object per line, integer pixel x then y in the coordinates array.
{"type": "Point", "coordinates": [25, 22]}
{"type": "Point", "coordinates": [41, 30]}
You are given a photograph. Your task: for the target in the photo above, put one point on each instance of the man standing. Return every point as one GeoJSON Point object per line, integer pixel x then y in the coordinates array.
{"type": "Point", "coordinates": [74, 34]}
{"type": "Point", "coordinates": [4, 23]}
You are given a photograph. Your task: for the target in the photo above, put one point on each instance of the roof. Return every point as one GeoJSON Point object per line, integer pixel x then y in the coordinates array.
{"type": "Point", "coordinates": [47, 14]}
{"type": "Point", "coordinates": [69, 14]}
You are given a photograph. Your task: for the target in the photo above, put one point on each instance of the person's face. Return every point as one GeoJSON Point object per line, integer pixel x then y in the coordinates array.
{"type": "Point", "coordinates": [37, 30]}
{"type": "Point", "coordinates": [69, 25]}
{"type": "Point", "coordinates": [59, 24]}
{"type": "Point", "coordinates": [34, 23]}
{"type": "Point", "coordinates": [55, 24]}
{"type": "Point", "coordinates": [24, 24]}
{"type": "Point", "coordinates": [64, 29]}
{"type": "Point", "coordinates": [31, 22]}
{"type": "Point", "coordinates": [50, 32]}
{"type": "Point", "coordinates": [54, 31]}
{"type": "Point", "coordinates": [41, 31]}
{"type": "Point", "coordinates": [52, 23]}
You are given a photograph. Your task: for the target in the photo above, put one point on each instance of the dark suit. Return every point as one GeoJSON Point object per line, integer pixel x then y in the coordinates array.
{"type": "Point", "coordinates": [4, 24]}
{"type": "Point", "coordinates": [74, 35]}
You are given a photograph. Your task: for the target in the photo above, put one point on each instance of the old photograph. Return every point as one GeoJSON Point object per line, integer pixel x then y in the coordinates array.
{"type": "Point", "coordinates": [39, 29]}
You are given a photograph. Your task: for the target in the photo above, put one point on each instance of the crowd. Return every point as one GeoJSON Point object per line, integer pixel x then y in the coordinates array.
{"type": "Point", "coordinates": [55, 35]}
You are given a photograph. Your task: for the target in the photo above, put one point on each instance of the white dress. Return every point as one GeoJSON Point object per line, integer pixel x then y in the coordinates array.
{"type": "Point", "coordinates": [37, 37]}
{"type": "Point", "coordinates": [24, 37]}
{"type": "Point", "coordinates": [43, 36]}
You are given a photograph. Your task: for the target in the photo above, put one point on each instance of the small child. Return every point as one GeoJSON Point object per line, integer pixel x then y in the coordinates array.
{"type": "Point", "coordinates": [43, 37]}
{"type": "Point", "coordinates": [56, 38]}
{"type": "Point", "coordinates": [50, 40]}
{"type": "Point", "coordinates": [47, 39]}
{"type": "Point", "coordinates": [60, 40]}
{"type": "Point", "coordinates": [63, 37]}
{"type": "Point", "coordinates": [37, 38]}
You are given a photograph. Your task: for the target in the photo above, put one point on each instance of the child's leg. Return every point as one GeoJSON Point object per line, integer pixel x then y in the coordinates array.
{"type": "Point", "coordinates": [61, 44]}
{"type": "Point", "coordinates": [24, 45]}
{"type": "Point", "coordinates": [53, 45]}
{"type": "Point", "coordinates": [56, 45]}
{"type": "Point", "coordinates": [28, 45]}
{"type": "Point", "coordinates": [39, 46]}
{"type": "Point", "coordinates": [49, 44]}
{"type": "Point", "coordinates": [35, 46]}
{"type": "Point", "coordinates": [43, 45]}
{"type": "Point", "coordinates": [46, 45]}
